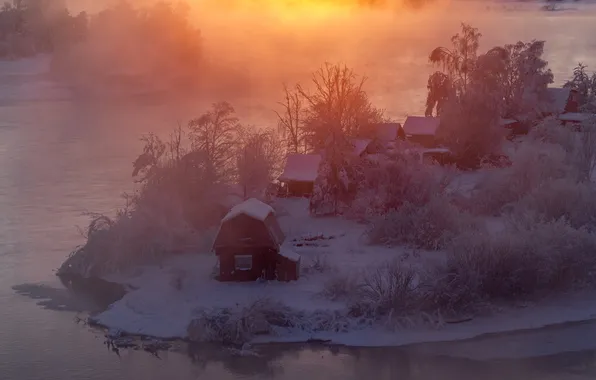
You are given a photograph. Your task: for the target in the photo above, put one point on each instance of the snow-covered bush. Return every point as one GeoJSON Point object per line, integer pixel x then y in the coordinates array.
{"type": "Point", "coordinates": [429, 226]}
{"type": "Point", "coordinates": [263, 316]}
{"type": "Point", "coordinates": [560, 199]}
{"type": "Point", "coordinates": [386, 186]}
{"type": "Point", "coordinates": [340, 286]}
{"type": "Point", "coordinates": [389, 289]}
{"type": "Point", "coordinates": [520, 261]}
{"type": "Point", "coordinates": [533, 163]}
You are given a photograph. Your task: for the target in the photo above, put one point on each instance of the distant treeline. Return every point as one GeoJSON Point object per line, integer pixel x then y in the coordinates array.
{"type": "Point", "coordinates": [30, 27]}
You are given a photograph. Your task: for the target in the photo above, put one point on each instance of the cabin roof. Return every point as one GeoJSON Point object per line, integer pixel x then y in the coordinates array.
{"type": "Point", "coordinates": [506, 122]}
{"type": "Point", "coordinates": [251, 207]}
{"type": "Point", "coordinates": [360, 145]}
{"type": "Point", "coordinates": [387, 131]}
{"type": "Point", "coordinates": [289, 253]}
{"type": "Point", "coordinates": [421, 125]}
{"type": "Point", "coordinates": [576, 116]}
{"type": "Point", "coordinates": [558, 98]}
{"type": "Point", "coordinates": [301, 167]}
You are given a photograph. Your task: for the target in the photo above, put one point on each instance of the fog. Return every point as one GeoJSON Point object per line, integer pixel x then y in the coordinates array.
{"type": "Point", "coordinates": [251, 48]}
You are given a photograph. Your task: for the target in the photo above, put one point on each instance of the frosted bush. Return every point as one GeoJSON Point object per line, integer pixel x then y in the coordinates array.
{"type": "Point", "coordinates": [429, 226]}
{"type": "Point", "coordinates": [340, 286]}
{"type": "Point", "coordinates": [395, 182]}
{"type": "Point", "coordinates": [389, 289]}
{"type": "Point", "coordinates": [560, 199]}
{"type": "Point", "coordinates": [517, 262]}
{"type": "Point", "coordinates": [138, 236]}
{"type": "Point", "coordinates": [533, 163]}
{"type": "Point", "coordinates": [238, 325]}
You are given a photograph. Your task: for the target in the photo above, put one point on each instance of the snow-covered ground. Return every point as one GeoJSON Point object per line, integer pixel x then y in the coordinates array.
{"type": "Point", "coordinates": [157, 306]}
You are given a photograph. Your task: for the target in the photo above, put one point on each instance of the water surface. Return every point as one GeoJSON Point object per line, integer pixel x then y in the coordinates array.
{"type": "Point", "coordinates": [60, 157]}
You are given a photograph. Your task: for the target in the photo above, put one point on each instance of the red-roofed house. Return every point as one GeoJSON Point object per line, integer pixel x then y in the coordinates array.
{"type": "Point", "coordinates": [300, 173]}
{"type": "Point", "coordinates": [422, 130]}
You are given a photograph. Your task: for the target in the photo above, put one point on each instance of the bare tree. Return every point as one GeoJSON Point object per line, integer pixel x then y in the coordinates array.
{"type": "Point", "coordinates": [214, 136]}
{"type": "Point", "coordinates": [337, 105]}
{"type": "Point", "coordinates": [290, 121]}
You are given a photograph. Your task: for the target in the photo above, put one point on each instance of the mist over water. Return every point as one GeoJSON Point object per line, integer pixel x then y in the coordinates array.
{"type": "Point", "coordinates": [61, 156]}
{"type": "Point", "coordinates": [250, 48]}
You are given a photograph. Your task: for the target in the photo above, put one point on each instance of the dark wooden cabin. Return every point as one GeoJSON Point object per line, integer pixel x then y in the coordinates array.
{"type": "Point", "coordinates": [248, 245]}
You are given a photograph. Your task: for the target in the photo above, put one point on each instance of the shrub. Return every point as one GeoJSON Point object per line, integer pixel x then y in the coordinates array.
{"type": "Point", "coordinates": [518, 262]}
{"type": "Point", "coordinates": [533, 163]}
{"type": "Point", "coordinates": [430, 226]}
{"type": "Point", "coordinates": [560, 199]}
{"type": "Point", "coordinates": [398, 180]}
{"type": "Point", "coordinates": [387, 289]}
{"type": "Point", "coordinates": [340, 286]}
{"type": "Point", "coordinates": [239, 325]}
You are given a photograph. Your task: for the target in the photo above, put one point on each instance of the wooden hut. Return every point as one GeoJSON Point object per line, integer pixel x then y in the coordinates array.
{"type": "Point", "coordinates": [422, 130]}
{"type": "Point", "coordinates": [248, 245]}
{"type": "Point", "coordinates": [300, 173]}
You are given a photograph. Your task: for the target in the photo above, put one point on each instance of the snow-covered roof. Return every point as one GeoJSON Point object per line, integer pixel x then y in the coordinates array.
{"type": "Point", "coordinates": [505, 122]}
{"type": "Point", "coordinates": [387, 131]}
{"type": "Point", "coordinates": [576, 116]}
{"type": "Point", "coordinates": [360, 145]}
{"type": "Point", "coordinates": [251, 207]}
{"type": "Point", "coordinates": [558, 98]}
{"type": "Point", "coordinates": [421, 125]}
{"type": "Point", "coordinates": [301, 167]}
{"type": "Point", "coordinates": [289, 253]}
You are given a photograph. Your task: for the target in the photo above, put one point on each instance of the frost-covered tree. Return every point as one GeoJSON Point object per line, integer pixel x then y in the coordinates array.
{"type": "Point", "coordinates": [520, 73]}
{"type": "Point", "coordinates": [214, 136]}
{"type": "Point", "coordinates": [258, 160]}
{"type": "Point", "coordinates": [335, 181]}
{"type": "Point", "coordinates": [514, 75]}
{"type": "Point", "coordinates": [470, 125]}
{"type": "Point", "coordinates": [455, 67]}
{"type": "Point", "coordinates": [585, 85]}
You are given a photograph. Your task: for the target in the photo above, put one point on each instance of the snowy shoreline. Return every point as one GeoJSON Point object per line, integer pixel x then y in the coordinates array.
{"type": "Point", "coordinates": [163, 301]}
{"type": "Point", "coordinates": [170, 322]}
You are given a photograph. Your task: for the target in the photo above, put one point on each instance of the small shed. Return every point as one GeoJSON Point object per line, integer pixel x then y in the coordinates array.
{"type": "Point", "coordinates": [300, 173]}
{"type": "Point", "coordinates": [248, 245]}
{"type": "Point", "coordinates": [422, 130]}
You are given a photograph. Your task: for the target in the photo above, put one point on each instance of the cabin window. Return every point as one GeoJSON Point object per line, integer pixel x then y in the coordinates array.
{"type": "Point", "coordinates": [243, 262]}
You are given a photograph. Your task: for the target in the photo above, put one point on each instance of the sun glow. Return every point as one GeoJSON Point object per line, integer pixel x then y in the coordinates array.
{"type": "Point", "coordinates": [288, 11]}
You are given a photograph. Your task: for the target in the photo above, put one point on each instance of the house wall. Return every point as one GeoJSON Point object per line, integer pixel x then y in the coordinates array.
{"type": "Point", "coordinates": [263, 262]}
{"type": "Point", "coordinates": [300, 189]}
{"type": "Point", "coordinates": [424, 140]}
{"type": "Point", "coordinates": [287, 270]}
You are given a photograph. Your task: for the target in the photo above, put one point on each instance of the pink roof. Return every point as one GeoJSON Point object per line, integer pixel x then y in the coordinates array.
{"type": "Point", "coordinates": [558, 98]}
{"type": "Point", "coordinates": [387, 131]}
{"type": "Point", "coordinates": [301, 167]}
{"type": "Point", "coordinates": [360, 145]}
{"type": "Point", "coordinates": [421, 125]}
